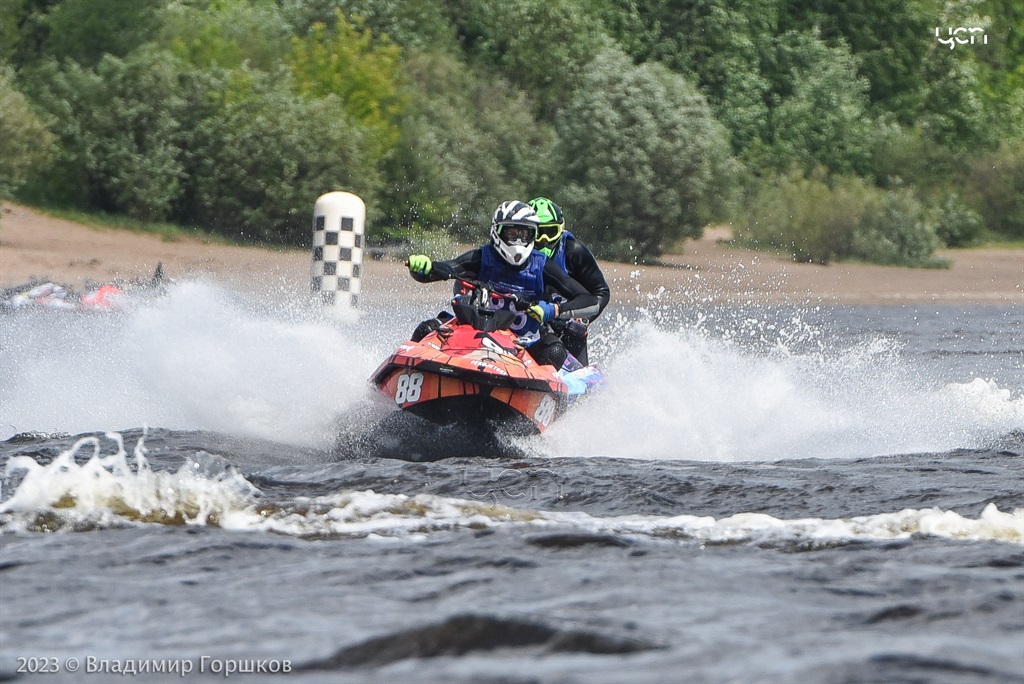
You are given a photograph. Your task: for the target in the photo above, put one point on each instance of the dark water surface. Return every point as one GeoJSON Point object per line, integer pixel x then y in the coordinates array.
{"type": "Point", "coordinates": [773, 495]}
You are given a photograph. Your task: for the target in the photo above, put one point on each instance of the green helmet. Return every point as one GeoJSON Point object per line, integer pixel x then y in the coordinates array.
{"type": "Point", "coordinates": [552, 225]}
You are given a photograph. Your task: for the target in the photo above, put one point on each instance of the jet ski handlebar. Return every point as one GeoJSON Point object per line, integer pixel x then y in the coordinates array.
{"type": "Point", "coordinates": [480, 290]}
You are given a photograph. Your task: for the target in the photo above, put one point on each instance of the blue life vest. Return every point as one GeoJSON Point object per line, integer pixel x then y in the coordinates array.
{"type": "Point", "coordinates": [527, 282]}
{"type": "Point", "coordinates": [559, 257]}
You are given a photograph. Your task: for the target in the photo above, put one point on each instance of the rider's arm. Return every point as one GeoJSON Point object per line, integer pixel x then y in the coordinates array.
{"type": "Point", "coordinates": [582, 265]}
{"type": "Point", "coordinates": [579, 303]}
{"type": "Point", "coordinates": [466, 265]}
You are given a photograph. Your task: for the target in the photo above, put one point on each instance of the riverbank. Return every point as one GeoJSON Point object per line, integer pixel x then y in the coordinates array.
{"type": "Point", "coordinates": [36, 246]}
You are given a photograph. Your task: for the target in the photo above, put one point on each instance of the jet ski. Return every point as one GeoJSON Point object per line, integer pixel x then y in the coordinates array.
{"type": "Point", "coordinates": [473, 369]}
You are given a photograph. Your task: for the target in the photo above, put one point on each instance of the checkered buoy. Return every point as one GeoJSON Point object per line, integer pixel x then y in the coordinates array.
{"type": "Point", "coordinates": [339, 219]}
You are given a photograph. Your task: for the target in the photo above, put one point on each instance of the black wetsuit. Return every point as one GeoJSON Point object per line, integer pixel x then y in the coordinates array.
{"type": "Point", "coordinates": [582, 267]}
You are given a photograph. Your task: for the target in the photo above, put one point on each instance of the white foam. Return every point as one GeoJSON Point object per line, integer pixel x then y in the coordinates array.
{"type": "Point", "coordinates": [992, 525]}
{"type": "Point", "coordinates": [200, 358]}
{"type": "Point", "coordinates": [688, 395]}
{"type": "Point", "coordinates": [204, 357]}
{"type": "Point", "coordinates": [105, 492]}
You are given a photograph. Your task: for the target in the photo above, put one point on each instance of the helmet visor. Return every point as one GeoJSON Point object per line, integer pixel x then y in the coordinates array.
{"type": "Point", "coordinates": [517, 234]}
{"type": "Point", "coordinates": [549, 232]}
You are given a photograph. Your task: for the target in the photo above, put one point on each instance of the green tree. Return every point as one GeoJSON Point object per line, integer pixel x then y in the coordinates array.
{"type": "Point", "coordinates": [630, 24]}
{"type": "Point", "coordinates": [24, 140]}
{"type": "Point", "coordinates": [953, 114]}
{"type": "Point", "coordinates": [889, 38]}
{"type": "Point", "coordinates": [821, 116]}
{"type": "Point", "coordinates": [720, 45]}
{"type": "Point", "coordinates": [10, 12]}
{"type": "Point", "coordinates": [467, 143]}
{"type": "Point", "coordinates": [87, 30]}
{"type": "Point", "coordinates": [363, 72]}
{"type": "Point", "coordinates": [262, 155]}
{"type": "Point", "coordinates": [645, 163]}
{"type": "Point", "coordinates": [1000, 63]}
{"type": "Point", "coordinates": [423, 25]}
{"type": "Point", "coordinates": [541, 46]}
{"type": "Point", "coordinates": [25, 30]}
{"type": "Point", "coordinates": [226, 33]}
{"type": "Point", "coordinates": [119, 133]}
{"type": "Point", "coordinates": [32, 31]}
{"type": "Point", "coordinates": [912, 78]}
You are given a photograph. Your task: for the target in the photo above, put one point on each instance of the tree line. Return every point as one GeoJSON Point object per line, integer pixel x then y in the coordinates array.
{"type": "Point", "coordinates": [827, 129]}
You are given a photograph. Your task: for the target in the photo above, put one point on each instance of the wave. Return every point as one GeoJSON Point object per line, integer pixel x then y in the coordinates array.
{"type": "Point", "coordinates": [110, 491]}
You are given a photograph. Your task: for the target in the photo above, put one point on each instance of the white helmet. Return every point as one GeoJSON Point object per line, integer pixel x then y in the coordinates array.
{"type": "Point", "coordinates": [513, 231]}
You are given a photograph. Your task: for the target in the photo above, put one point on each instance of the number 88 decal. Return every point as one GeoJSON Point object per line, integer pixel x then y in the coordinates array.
{"type": "Point", "coordinates": [545, 411]}
{"type": "Point", "coordinates": [408, 389]}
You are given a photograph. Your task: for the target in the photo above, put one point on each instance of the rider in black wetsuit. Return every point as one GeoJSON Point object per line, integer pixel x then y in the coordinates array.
{"type": "Point", "coordinates": [509, 264]}
{"type": "Point", "coordinates": [573, 257]}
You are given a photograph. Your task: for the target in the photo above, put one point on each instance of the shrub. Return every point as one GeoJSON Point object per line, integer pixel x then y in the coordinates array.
{"type": "Point", "coordinates": [958, 225]}
{"type": "Point", "coordinates": [24, 140]}
{"type": "Point", "coordinates": [997, 180]}
{"type": "Point", "coordinates": [895, 231]}
{"type": "Point", "coordinates": [821, 219]}
{"type": "Point", "coordinates": [812, 219]}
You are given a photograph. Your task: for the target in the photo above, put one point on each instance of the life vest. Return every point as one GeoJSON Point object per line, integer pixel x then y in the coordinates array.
{"type": "Point", "coordinates": [528, 282]}
{"type": "Point", "coordinates": [559, 257]}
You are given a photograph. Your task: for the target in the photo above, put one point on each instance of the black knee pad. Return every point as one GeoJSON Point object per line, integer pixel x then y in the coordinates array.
{"type": "Point", "coordinates": [425, 328]}
{"type": "Point", "coordinates": [550, 350]}
{"type": "Point", "coordinates": [556, 355]}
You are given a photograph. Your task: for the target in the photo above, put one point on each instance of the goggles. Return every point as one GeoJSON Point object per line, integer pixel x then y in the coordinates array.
{"type": "Point", "coordinates": [516, 234]}
{"type": "Point", "coordinates": [550, 232]}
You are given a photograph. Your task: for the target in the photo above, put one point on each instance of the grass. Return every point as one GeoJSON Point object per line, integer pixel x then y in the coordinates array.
{"type": "Point", "coordinates": [990, 240]}
{"type": "Point", "coordinates": [167, 232]}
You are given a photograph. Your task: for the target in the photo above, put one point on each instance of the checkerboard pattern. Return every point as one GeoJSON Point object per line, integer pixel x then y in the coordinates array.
{"type": "Point", "coordinates": [337, 262]}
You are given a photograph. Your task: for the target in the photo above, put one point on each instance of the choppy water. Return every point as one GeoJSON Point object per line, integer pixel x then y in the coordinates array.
{"type": "Point", "coordinates": [798, 494]}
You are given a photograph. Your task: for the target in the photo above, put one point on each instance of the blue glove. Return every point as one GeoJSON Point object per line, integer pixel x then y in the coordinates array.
{"type": "Point", "coordinates": [419, 263]}
{"type": "Point", "coordinates": [542, 311]}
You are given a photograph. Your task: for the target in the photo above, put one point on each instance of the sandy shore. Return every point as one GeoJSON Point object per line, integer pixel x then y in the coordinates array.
{"type": "Point", "coordinates": [33, 245]}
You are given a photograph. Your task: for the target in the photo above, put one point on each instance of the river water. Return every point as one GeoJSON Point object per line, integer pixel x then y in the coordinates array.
{"type": "Point", "coordinates": [757, 494]}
